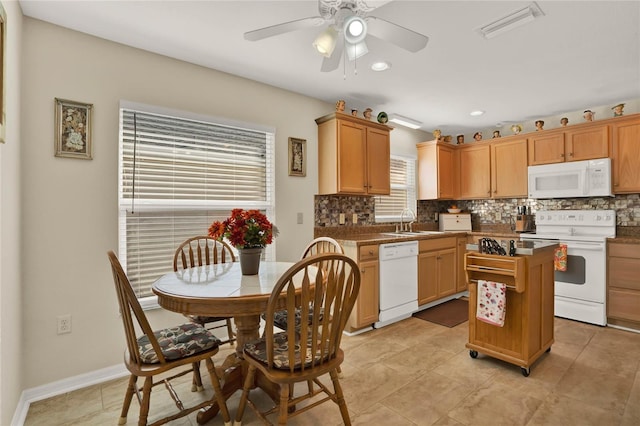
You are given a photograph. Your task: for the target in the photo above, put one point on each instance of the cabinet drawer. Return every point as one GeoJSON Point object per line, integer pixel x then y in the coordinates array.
{"type": "Point", "coordinates": [368, 253]}
{"type": "Point", "coordinates": [624, 250]}
{"type": "Point", "coordinates": [623, 304]}
{"type": "Point", "coordinates": [623, 273]}
{"type": "Point", "coordinates": [436, 244]}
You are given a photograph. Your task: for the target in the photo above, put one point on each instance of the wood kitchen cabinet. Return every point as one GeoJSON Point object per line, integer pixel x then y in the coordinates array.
{"type": "Point", "coordinates": [461, 249]}
{"type": "Point", "coordinates": [625, 155]}
{"type": "Point", "coordinates": [623, 285]}
{"type": "Point", "coordinates": [509, 178]}
{"type": "Point", "coordinates": [575, 143]}
{"type": "Point", "coordinates": [353, 156]}
{"type": "Point", "coordinates": [437, 171]}
{"type": "Point", "coordinates": [437, 261]}
{"type": "Point", "coordinates": [365, 311]}
{"type": "Point", "coordinates": [475, 171]}
{"type": "Point", "coordinates": [494, 170]}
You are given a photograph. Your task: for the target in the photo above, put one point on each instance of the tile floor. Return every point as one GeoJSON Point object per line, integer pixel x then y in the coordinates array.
{"type": "Point", "coordinates": [418, 373]}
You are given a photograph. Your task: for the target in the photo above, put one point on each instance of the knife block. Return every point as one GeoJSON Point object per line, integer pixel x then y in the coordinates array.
{"type": "Point", "coordinates": [525, 223]}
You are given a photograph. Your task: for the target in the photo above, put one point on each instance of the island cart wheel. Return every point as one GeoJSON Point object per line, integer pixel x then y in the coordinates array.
{"type": "Point", "coordinates": [525, 371]}
{"type": "Point", "coordinates": [473, 354]}
{"type": "Point", "coordinates": [548, 349]}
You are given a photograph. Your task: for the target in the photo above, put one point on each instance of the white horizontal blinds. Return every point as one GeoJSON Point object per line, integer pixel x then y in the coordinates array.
{"type": "Point", "coordinates": [180, 159]}
{"type": "Point", "coordinates": [177, 175]}
{"type": "Point", "coordinates": [403, 192]}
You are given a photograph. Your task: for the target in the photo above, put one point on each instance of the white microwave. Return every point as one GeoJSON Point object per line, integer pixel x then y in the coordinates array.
{"type": "Point", "coordinates": [589, 178]}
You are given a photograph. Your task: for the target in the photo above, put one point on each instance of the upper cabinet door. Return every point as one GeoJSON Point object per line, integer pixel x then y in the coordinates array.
{"type": "Point", "coordinates": [587, 143]}
{"type": "Point", "coordinates": [352, 148]}
{"type": "Point", "coordinates": [378, 162]}
{"type": "Point", "coordinates": [546, 148]}
{"type": "Point", "coordinates": [475, 172]}
{"type": "Point", "coordinates": [509, 169]}
{"type": "Point", "coordinates": [625, 156]}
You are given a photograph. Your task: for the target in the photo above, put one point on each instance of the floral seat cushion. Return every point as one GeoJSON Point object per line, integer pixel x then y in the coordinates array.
{"type": "Point", "coordinates": [177, 342]}
{"type": "Point", "coordinates": [257, 349]}
{"type": "Point", "coordinates": [281, 318]}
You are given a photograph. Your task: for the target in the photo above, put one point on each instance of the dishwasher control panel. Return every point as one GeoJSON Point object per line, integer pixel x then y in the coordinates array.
{"type": "Point", "coordinates": [398, 250]}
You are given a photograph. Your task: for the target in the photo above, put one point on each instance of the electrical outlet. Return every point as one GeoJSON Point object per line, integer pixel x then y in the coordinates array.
{"type": "Point", "coordinates": [354, 218]}
{"type": "Point", "coordinates": [341, 218]}
{"type": "Point", "coordinates": [64, 324]}
{"type": "Point", "coordinates": [300, 218]}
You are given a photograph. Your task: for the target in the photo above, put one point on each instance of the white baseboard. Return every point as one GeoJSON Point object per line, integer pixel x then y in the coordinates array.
{"type": "Point", "coordinates": [63, 386]}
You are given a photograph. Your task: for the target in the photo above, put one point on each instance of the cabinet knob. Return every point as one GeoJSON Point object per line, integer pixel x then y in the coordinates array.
{"type": "Point", "coordinates": [370, 251]}
{"type": "Point", "coordinates": [571, 154]}
{"type": "Point", "coordinates": [562, 155]}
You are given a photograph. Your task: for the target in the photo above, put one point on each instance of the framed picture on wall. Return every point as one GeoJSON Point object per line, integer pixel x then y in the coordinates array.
{"type": "Point", "coordinates": [73, 129]}
{"type": "Point", "coordinates": [297, 157]}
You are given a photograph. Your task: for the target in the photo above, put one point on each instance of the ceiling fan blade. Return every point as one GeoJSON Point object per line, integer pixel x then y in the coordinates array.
{"type": "Point", "coordinates": [393, 33]}
{"type": "Point", "coordinates": [285, 27]}
{"type": "Point", "coordinates": [332, 62]}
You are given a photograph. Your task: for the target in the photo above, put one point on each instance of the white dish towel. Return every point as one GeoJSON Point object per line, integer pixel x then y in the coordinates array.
{"type": "Point", "coordinates": [492, 302]}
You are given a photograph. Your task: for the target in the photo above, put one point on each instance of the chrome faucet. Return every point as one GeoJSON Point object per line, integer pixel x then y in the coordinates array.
{"type": "Point", "coordinates": [409, 226]}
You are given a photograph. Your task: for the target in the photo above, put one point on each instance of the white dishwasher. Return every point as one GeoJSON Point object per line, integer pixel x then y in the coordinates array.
{"type": "Point", "coordinates": [398, 282]}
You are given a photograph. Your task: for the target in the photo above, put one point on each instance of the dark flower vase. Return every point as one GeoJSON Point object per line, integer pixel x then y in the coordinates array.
{"type": "Point", "coordinates": [250, 260]}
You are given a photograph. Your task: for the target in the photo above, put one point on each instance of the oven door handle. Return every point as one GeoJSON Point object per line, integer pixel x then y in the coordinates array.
{"type": "Point", "coordinates": [595, 247]}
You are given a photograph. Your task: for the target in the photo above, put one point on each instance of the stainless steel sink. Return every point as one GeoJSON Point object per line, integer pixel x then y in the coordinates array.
{"type": "Point", "coordinates": [412, 233]}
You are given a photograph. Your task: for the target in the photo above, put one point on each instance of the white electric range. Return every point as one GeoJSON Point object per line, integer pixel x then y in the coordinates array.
{"type": "Point", "coordinates": [580, 291]}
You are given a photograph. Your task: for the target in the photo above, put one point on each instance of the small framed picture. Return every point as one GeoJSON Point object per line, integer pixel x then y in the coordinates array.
{"type": "Point", "coordinates": [73, 129]}
{"type": "Point", "coordinates": [297, 157]}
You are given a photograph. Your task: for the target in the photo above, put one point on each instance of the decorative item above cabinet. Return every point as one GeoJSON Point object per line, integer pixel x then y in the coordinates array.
{"type": "Point", "coordinates": [354, 156]}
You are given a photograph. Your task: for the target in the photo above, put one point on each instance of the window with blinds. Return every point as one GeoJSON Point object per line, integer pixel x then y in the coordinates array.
{"type": "Point", "coordinates": [403, 190]}
{"type": "Point", "coordinates": [177, 174]}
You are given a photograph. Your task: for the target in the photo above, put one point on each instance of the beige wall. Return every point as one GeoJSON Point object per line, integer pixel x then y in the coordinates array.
{"type": "Point", "coordinates": [11, 383]}
{"type": "Point", "coordinates": [70, 206]}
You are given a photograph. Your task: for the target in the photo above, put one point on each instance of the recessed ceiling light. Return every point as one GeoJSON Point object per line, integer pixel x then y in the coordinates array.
{"type": "Point", "coordinates": [476, 113]}
{"type": "Point", "coordinates": [380, 66]}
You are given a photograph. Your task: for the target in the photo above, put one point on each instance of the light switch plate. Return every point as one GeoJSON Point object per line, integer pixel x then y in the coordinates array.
{"type": "Point", "coordinates": [300, 218]}
{"type": "Point", "coordinates": [354, 218]}
{"type": "Point", "coordinates": [341, 218]}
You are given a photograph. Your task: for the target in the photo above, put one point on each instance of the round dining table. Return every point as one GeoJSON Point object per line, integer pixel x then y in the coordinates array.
{"type": "Point", "coordinates": [221, 290]}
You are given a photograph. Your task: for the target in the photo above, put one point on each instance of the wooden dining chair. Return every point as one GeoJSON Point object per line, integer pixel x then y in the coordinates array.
{"type": "Point", "coordinates": [318, 245]}
{"type": "Point", "coordinates": [326, 283]}
{"type": "Point", "coordinates": [160, 351]}
{"type": "Point", "coordinates": [199, 251]}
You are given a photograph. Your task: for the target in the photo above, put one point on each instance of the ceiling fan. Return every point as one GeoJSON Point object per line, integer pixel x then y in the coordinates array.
{"type": "Point", "coordinates": [349, 25]}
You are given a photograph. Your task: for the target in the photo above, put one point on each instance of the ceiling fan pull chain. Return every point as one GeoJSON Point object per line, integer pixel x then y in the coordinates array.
{"type": "Point", "coordinates": [344, 61]}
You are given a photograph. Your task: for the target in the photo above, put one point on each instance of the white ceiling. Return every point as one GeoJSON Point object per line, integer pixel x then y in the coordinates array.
{"type": "Point", "coordinates": [579, 55]}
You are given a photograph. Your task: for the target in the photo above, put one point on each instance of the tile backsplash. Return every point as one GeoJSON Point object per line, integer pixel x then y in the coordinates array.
{"type": "Point", "coordinates": [484, 212]}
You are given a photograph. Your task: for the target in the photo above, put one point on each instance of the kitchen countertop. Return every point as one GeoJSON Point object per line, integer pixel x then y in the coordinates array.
{"type": "Point", "coordinates": [384, 237]}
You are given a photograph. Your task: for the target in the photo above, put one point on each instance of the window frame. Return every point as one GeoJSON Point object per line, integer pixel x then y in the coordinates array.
{"type": "Point", "coordinates": [409, 185]}
{"type": "Point", "coordinates": [221, 208]}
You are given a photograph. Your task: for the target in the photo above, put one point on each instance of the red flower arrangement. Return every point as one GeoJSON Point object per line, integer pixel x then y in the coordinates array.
{"type": "Point", "coordinates": [244, 229]}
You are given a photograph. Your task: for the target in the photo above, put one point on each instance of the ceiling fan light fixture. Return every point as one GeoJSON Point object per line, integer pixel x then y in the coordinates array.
{"type": "Point", "coordinates": [355, 51]}
{"type": "Point", "coordinates": [325, 43]}
{"type": "Point", "coordinates": [355, 29]}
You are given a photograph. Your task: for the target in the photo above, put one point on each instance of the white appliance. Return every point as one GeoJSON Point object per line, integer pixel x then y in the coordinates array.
{"type": "Point", "coordinates": [398, 282]}
{"type": "Point", "coordinates": [589, 178]}
{"type": "Point", "coordinates": [454, 222]}
{"type": "Point", "coordinates": [580, 291]}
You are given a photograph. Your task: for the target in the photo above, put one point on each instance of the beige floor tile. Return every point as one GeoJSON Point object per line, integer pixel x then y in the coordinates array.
{"type": "Point", "coordinates": [380, 414]}
{"type": "Point", "coordinates": [566, 411]}
{"type": "Point", "coordinates": [427, 399]}
{"type": "Point", "coordinates": [495, 404]}
{"type": "Point", "coordinates": [597, 388]}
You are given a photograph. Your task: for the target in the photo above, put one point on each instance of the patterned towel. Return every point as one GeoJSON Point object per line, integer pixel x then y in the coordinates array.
{"type": "Point", "coordinates": [560, 258]}
{"type": "Point", "coordinates": [492, 301]}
